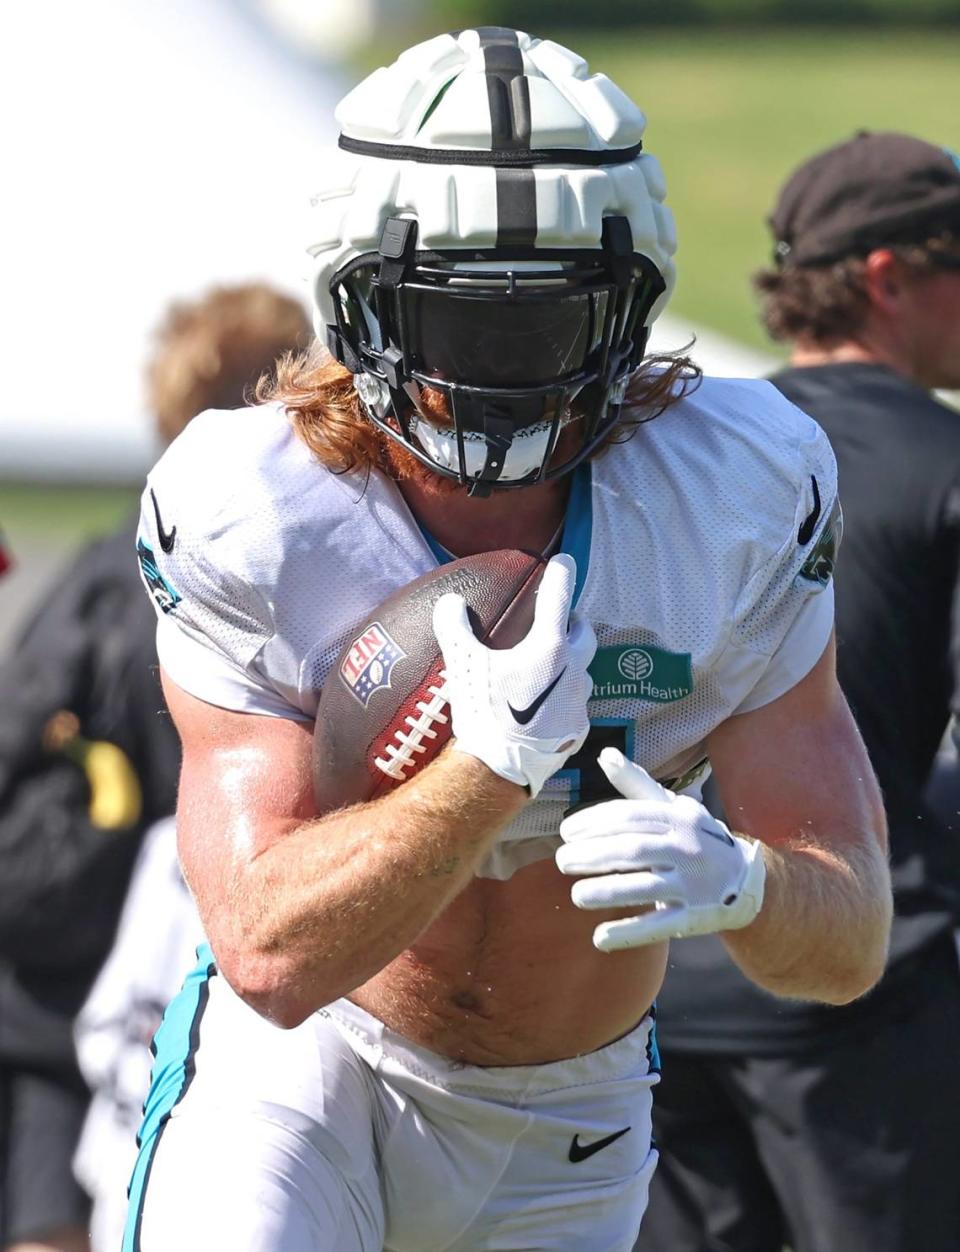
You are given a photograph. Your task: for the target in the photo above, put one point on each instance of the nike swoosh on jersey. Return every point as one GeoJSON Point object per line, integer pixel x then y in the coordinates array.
{"type": "Point", "coordinates": [167, 537]}
{"type": "Point", "coordinates": [525, 715]}
{"type": "Point", "coordinates": [581, 1151]}
{"type": "Point", "coordinates": [805, 533]}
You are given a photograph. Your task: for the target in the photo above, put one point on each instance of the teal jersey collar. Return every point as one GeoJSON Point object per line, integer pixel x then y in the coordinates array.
{"type": "Point", "coordinates": [577, 527]}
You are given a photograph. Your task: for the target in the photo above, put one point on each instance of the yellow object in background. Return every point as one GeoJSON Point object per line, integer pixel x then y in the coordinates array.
{"type": "Point", "coordinates": [116, 799]}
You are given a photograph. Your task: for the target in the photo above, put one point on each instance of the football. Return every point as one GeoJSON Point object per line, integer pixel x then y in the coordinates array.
{"type": "Point", "coordinates": [380, 717]}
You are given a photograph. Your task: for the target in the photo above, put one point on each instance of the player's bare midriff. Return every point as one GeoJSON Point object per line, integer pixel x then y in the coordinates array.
{"type": "Point", "coordinates": [508, 975]}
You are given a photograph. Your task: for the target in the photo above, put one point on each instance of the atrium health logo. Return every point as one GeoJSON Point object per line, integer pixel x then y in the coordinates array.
{"type": "Point", "coordinates": [635, 664]}
{"type": "Point", "coordinates": [628, 672]}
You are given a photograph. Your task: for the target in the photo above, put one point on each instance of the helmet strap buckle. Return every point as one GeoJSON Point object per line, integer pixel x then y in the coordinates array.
{"type": "Point", "coordinates": [340, 350]}
{"type": "Point", "coordinates": [617, 241]}
{"type": "Point", "coordinates": [391, 362]}
{"type": "Point", "coordinates": [497, 428]}
{"type": "Point", "coordinates": [398, 239]}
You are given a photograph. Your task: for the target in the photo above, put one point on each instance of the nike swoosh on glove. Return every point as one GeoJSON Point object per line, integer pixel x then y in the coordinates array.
{"type": "Point", "coordinates": [661, 852]}
{"type": "Point", "coordinates": [520, 710]}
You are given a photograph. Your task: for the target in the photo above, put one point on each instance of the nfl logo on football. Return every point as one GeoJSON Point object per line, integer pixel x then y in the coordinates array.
{"type": "Point", "coordinates": [369, 663]}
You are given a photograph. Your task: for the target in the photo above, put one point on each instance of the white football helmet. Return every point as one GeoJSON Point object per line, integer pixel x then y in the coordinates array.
{"type": "Point", "coordinates": [491, 228]}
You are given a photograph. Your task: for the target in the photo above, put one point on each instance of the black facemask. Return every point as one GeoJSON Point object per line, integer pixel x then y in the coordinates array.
{"type": "Point", "coordinates": [511, 338]}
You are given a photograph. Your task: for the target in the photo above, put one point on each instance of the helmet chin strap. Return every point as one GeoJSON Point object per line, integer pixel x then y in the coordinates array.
{"type": "Point", "coordinates": [476, 418]}
{"type": "Point", "coordinates": [517, 427]}
{"type": "Point", "coordinates": [522, 457]}
{"type": "Point", "coordinates": [497, 430]}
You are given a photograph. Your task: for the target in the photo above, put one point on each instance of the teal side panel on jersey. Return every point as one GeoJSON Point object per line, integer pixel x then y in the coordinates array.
{"type": "Point", "coordinates": [163, 592]}
{"type": "Point", "coordinates": [174, 1048]}
{"type": "Point", "coordinates": [578, 526]}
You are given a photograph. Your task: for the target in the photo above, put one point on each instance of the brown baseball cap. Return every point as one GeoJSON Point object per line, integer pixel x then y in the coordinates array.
{"type": "Point", "coordinates": [874, 190]}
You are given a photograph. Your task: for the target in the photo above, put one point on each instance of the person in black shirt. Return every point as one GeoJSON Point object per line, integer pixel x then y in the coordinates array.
{"type": "Point", "coordinates": [835, 1129]}
{"type": "Point", "coordinates": [89, 758]}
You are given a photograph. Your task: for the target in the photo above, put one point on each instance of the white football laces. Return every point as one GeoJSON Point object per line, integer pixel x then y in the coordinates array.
{"type": "Point", "coordinates": [400, 752]}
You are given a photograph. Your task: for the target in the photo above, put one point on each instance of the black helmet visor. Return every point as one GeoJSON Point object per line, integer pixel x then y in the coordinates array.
{"type": "Point", "coordinates": [499, 338]}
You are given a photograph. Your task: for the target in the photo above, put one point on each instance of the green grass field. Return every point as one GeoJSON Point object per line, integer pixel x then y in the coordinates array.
{"type": "Point", "coordinates": [729, 115]}
{"type": "Point", "coordinates": [58, 513]}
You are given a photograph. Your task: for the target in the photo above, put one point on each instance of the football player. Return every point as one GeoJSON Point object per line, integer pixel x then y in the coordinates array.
{"type": "Point", "coordinates": [426, 1021]}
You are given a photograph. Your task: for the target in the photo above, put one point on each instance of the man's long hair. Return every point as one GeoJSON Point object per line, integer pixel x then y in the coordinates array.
{"type": "Point", "coordinates": [318, 395]}
{"type": "Point", "coordinates": [827, 303]}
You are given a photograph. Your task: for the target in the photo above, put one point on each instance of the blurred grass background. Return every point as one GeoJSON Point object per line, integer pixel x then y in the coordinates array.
{"type": "Point", "coordinates": [730, 115]}
{"type": "Point", "coordinates": [731, 111]}
{"type": "Point", "coordinates": [52, 511]}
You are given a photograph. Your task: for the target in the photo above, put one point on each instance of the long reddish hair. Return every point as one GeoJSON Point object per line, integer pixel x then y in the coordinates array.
{"type": "Point", "coordinates": [318, 395]}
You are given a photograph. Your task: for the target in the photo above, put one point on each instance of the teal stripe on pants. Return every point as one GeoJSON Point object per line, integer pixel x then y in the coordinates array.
{"type": "Point", "coordinates": [174, 1048]}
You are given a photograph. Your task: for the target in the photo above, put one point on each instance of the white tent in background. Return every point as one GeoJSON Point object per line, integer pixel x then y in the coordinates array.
{"type": "Point", "coordinates": [150, 150]}
{"type": "Point", "coordinates": [715, 354]}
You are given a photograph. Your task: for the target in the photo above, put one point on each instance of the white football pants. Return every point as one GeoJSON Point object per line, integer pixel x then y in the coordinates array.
{"type": "Point", "coordinates": [340, 1136]}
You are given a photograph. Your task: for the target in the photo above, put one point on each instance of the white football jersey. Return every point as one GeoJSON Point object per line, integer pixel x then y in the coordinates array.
{"type": "Point", "coordinates": [703, 549]}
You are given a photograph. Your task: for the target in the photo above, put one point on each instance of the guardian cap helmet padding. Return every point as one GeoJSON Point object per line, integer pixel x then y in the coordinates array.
{"type": "Point", "coordinates": [492, 230]}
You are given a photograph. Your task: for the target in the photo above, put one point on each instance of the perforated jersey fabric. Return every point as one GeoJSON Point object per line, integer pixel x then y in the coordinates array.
{"type": "Point", "coordinates": [693, 542]}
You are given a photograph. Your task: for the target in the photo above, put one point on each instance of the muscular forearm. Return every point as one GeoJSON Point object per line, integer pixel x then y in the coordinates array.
{"type": "Point", "coordinates": [328, 905]}
{"type": "Point", "coordinates": [823, 930]}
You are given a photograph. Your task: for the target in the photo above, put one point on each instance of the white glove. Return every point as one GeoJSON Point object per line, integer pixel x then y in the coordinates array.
{"type": "Point", "coordinates": [662, 851]}
{"type": "Point", "coordinates": [520, 710]}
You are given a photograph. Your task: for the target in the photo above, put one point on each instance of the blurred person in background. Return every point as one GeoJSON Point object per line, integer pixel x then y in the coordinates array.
{"type": "Point", "coordinates": [156, 943]}
{"type": "Point", "coordinates": [88, 761]}
{"type": "Point", "coordinates": [835, 1129]}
